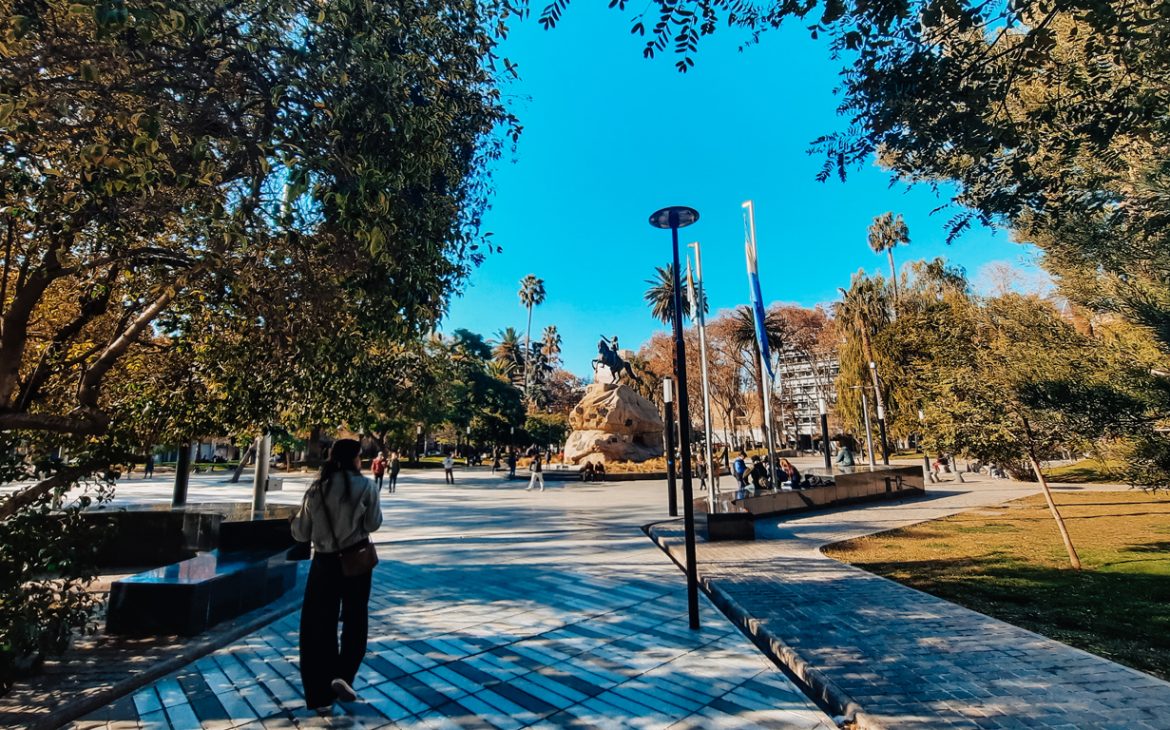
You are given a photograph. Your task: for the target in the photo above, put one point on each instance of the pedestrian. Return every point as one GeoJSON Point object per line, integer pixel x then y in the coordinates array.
{"type": "Point", "coordinates": [148, 468]}
{"type": "Point", "coordinates": [495, 463]}
{"type": "Point", "coordinates": [791, 474]}
{"type": "Point", "coordinates": [739, 469]}
{"type": "Point", "coordinates": [339, 511]}
{"type": "Point", "coordinates": [537, 473]}
{"type": "Point", "coordinates": [449, 469]}
{"type": "Point", "coordinates": [701, 468]}
{"type": "Point", "coordinates": [395, 465]}
{"type": "Point", "coordinates": [512, 464]}
{"type": "Point", "coordinates": [378, 468]}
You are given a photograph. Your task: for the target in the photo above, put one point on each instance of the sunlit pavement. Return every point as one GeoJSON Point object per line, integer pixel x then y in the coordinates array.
{"type": "Point", "coordinates": [903, 658]}
{"type": "Point", "coordinates": [494, 607]}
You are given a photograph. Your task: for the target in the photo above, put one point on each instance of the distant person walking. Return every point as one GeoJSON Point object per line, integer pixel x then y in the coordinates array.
{"type": "Point", "coordinates": [449, 469]}
{"type": "Point", "coordinates": [395, 466]}
{"type": "Point", "coordinates": [339, 511]}
{"type": "Point", "coordinates": [537, 473]}
{"type": "Point", "coordinates": [378, 468]}
{"type": "Point", "coordinates": [511, 464]}
{"type": "Point", "coordinates": [148, 468]}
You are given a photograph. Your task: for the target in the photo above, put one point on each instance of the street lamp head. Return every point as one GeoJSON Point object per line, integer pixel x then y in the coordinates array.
{"type": "Point", "coordinates": [675, 216]}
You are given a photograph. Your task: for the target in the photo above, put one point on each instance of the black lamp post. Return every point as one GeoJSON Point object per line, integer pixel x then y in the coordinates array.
{"type": "Point", "coordinates": [671, 485]}
{"type": "Point", "coordinates": [675, 217]}
{"type": "Point", "coordinates": [881, 413]}
{"type": "Point", "coordinates": [825, 434]}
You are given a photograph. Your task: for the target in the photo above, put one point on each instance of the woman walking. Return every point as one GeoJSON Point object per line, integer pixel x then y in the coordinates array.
{"type": "Point", "coordinates": [339, 512]}
{"type": "Point", "coordinates": [394, 467]}
{"type": "Point", "coordinates": [378, 468]}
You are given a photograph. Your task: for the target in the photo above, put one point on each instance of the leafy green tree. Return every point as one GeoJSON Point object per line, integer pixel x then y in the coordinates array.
{"type": "Point", "coordinates": [660, 295]}
{"type": "Point", "coordinates": [262, 183]}
{"type": "Point", "coordinates": [862, 314]}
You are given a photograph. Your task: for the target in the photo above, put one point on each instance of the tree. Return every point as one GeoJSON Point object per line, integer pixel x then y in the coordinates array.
{"type": "Point", "coordinates": [509, 356]}
{"type": "Point", "coordinates": [742, 334]}
{"type": "Point", "coordinates": [886, 232]}
{"type": "Point", "coordinates": [531, 295]}
{"type": "Point", "coordinates": [660, 295]}
{"type": "Point", "coordinates": [551, 345]}
{"type": "Point", "coordinates": [247, 181]}
{"type": "Point", "coordinates": [862, 313]}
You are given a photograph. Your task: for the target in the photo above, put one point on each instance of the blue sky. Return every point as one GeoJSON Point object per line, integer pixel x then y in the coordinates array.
{"type": "Point", "coordinates": [610, 137]}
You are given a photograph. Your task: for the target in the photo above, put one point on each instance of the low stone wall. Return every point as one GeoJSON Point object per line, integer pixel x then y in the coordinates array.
{"type": "Point", "coordinates": [852, 484]}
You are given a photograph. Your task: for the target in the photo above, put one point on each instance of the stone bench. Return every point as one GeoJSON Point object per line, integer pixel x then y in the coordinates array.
{"type": "Point", "coordinates": [192, 595]}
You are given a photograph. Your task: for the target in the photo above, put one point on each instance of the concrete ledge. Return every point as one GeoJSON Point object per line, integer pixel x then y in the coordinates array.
{"type": "Point", "coordinates": [811, 680]}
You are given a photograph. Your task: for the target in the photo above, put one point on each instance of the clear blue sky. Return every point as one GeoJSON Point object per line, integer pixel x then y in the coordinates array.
{"type": "Point", "coordinates": [610, 137]}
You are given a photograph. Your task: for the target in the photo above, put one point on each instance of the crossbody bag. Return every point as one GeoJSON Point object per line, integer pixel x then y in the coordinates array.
{"type": "Point", "coordinates": [355, 561]}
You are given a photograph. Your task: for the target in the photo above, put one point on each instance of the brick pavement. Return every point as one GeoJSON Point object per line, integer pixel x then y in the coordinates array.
{"type": "Point", "coordinates": [497, 608]}
{"type": "Point", "coordinates": [902, 658]}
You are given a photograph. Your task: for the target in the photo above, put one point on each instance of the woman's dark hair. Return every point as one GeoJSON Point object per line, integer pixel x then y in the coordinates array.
{"type": "Point", "coordinates": [340, 461]}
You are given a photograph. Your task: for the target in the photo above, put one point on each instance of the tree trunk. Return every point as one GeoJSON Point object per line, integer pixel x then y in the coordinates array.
{"type": "Point", "coordinates": [527, 349]}
{"type": "Point", "coordinates": [1068, 545]}
{"type": "Point", "coordinates": [877, 386]}
{"type": "Point", "coordinates": [243, 462]}
{"type": "Point", "coordinates": [893, 276]}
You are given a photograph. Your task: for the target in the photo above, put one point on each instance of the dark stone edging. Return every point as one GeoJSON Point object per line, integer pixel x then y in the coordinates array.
{"type": "Point", "coordinates": [186, 654]}
{"type": "Point", "coordinates": [812, 681]}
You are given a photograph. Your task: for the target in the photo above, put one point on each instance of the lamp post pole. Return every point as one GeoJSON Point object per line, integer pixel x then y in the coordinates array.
{"type": "Point", "coordinates": [825, 434]}
{"type": "Point", "coordinates": [868, 428]}
{"type": "Point", "coordinates": [881, 413]}
{"type": "Point", "coordinates": [418, 449]}
{"type": "Point", "coordinates": [671, 484]}
{"type": "Point", "coordinates": [712, 472]}
{"type": "Point", "coordinates": [676, 217]}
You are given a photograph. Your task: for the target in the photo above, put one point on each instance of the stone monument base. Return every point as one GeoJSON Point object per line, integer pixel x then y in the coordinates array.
{"type": "Point", "coordinates": [613, 422]}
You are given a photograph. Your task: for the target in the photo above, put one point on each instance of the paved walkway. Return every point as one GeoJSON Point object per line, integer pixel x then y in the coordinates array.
{"type": "Point", "coordinates": [497, 608]}
{"type": "Point", "coordinates": [903, 658]}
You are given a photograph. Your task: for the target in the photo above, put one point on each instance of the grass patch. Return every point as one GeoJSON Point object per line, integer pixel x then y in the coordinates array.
{"type": "Point", "coordinates": [1010, 564]}
{"type": "Point", "coordinates": [1086, 471]}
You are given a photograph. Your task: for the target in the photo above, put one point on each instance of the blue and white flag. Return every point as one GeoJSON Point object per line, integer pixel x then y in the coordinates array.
{"type": "Point", "coordinates": [691, 298]}
{"type": "Point", "coordinates": [749, 225]}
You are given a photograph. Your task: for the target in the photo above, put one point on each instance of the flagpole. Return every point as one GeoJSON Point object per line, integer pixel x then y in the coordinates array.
{"type": "Point", "coordinates": [698, 302]}
{"type": "Point", "coordinates": [761, 334]}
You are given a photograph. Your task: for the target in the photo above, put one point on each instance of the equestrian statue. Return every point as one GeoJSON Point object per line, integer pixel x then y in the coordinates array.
{"type": "Point", "coordinates": [610, 358]}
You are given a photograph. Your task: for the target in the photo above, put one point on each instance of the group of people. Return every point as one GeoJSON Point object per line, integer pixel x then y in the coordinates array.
{"type": "Point", "coordinates": [756, 475]}
{"type": "Point", "coordinates": [384, 463]}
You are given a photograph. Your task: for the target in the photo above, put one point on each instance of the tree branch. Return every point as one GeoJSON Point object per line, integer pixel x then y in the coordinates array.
{"type": "Point", "coordinates": [87, 392]}
{"type": "Point", "coordinates": [10, 506]}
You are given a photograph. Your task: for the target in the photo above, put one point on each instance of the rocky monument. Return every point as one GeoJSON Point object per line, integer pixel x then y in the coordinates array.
{"type": "Point", "coordinates": [613, 422]}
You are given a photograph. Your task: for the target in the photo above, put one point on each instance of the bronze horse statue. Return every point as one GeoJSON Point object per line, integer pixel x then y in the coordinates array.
{"type": "Point", "coordinates": [612, 360]}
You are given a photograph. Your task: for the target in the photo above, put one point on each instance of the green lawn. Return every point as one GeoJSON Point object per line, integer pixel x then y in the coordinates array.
{"type": "Point", "coordinates": [1086, 471]}
{"type": "Point", "coordinates": [1008, 562]}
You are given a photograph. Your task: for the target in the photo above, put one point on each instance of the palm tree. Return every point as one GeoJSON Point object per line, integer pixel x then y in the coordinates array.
{"type": "Point", "coordinates": [506, 352]}
{"type": "Point", "coordinates": [863, 310]}
{"type": "Point", "coordinates": [660, 295]}
{"type": "Point", "coordinates": [551, 342]}
{"type": "Point", "coordinates": [886, 232]}
{"type": "Point", "coordinates": [743, 336]}
{"type": "Point", "coordinates": [531, 295]}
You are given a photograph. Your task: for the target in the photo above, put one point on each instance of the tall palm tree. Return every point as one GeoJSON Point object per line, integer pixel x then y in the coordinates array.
{"type": "Point", "coordinates": [531, 295]}
{"type": "Point", "coordinates": [552, 345]}
{"type": "Point", "coordinates": [660, 295]}
{"type": "Point", "coordinates": [886, 232]}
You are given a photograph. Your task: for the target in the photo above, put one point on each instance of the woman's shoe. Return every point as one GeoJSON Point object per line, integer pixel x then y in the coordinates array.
{"type": "Point", "coordinates": [343, 691]}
